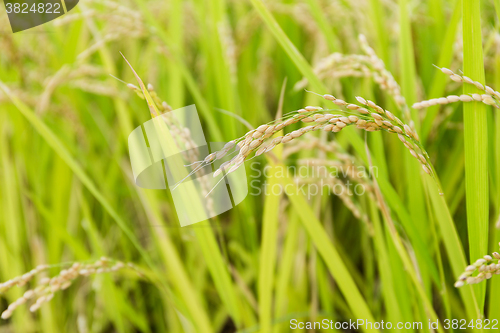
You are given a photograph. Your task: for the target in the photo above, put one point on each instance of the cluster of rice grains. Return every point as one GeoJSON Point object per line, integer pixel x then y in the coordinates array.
{"type": "Point", "coordinates": [490, 96]}
{"type": "Point", "coordinates": [116, 21]}
{"type": "Point", "coordinates": [485, 267]}
{"type": "Point", "coordinates": [369, 117]}
{"type": "Point", "coordinates": [46, 287]}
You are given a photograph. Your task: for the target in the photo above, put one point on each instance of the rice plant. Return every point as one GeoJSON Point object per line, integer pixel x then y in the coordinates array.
{"type": "Point", "coordinates": [368, 132]}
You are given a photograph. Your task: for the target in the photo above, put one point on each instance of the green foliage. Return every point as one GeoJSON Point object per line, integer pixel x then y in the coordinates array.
{"type": "Point", "coordinates": [67, 193]}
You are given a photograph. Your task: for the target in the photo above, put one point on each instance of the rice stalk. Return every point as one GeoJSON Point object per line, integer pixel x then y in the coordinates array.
{"type": "Point", "coordinates": [485, 267]}
{"type": "Point", "coordinates": [268, 254]}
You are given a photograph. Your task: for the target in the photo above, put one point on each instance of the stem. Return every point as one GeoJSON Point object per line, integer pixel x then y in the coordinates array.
{"type": "Point", "coordinates": [476, 143]}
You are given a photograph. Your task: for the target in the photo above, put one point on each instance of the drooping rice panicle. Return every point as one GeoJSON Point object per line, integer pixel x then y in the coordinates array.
{"type": "Point", "coordinates": [338, 159]}
{"type": "Point", "coordinates": [354, 65]}
{"type": "Point", "coordinates": [382, 76]}
{"type": "Point", "coordinates": [490, 96]}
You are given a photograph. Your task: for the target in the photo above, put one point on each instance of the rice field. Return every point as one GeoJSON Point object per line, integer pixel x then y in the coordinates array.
{"type": "Point", "coordinates": [365, 134]}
